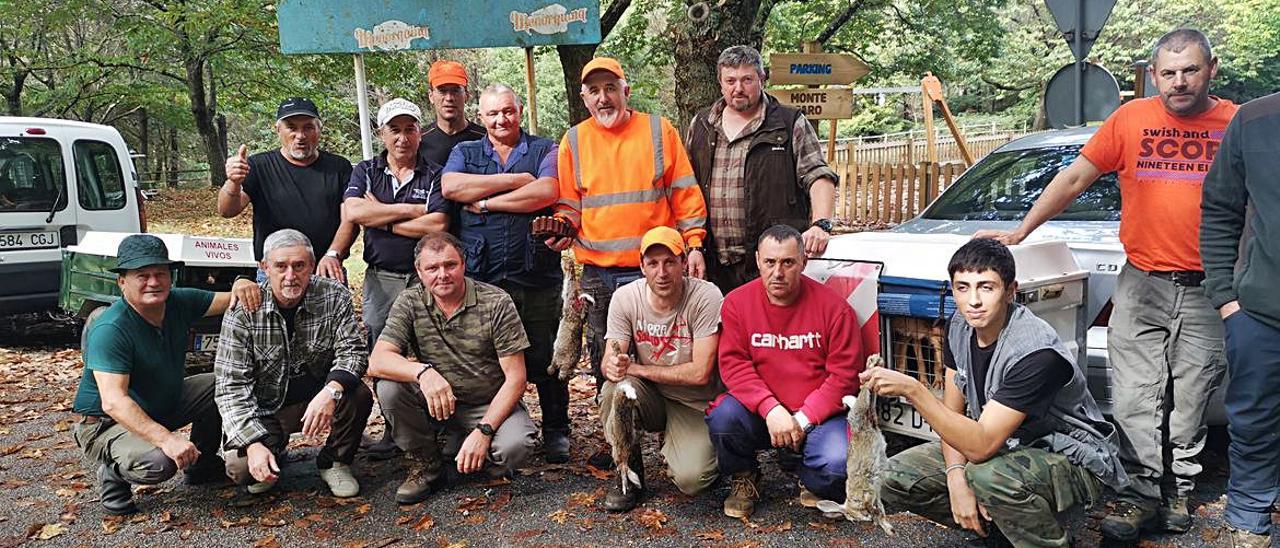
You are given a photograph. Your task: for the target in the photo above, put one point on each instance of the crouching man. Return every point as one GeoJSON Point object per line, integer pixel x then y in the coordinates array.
{"type": "Point", "coordinates": [294, 365]}
{"type": "Point", "coordinates": [1022, 438]}
{"type": "Point", "coordinates": [133, 395]}
{"type": "Point", "coordinates": [788, 353]}
{"type": "Point", "coordinates": [468, 378]}
{"type": "Point", "coordinates": [670, 323]}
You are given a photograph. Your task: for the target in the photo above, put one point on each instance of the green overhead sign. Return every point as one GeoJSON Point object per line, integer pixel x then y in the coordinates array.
{"type": "Point", "coordinates": [343, 26]}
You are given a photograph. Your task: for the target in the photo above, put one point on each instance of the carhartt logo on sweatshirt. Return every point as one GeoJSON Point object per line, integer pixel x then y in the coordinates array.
{"type": "Point", "coordinates": [812, 339]}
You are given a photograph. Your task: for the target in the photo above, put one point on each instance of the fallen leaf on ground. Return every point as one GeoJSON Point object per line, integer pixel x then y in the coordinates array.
{"type": "Point", "coordinates": [714, 536]}
{"type": "Point", "coordinates": [822, 526]}
{"type": "Point", "coordinates": [497, 482]}
{"type": "Point", "coordinates": [424, 523]}
{"type": "Point", "coordinates": [559, 516]}
{"type": "Point", "coordinates": [268, 541]}
{"type": "Point", "coordinates": [652, 518]}
{"type": "Point", "coordinates": [364, 509]}
{"type": "Point", "coordinates": [46, 531]}
{"type": "Point", "coordinates": [474, 519]}
{"type": "Point", "coordinates": [598, 473]}
{"type": "Point", "coordinates": [784, 526]}
{"type": "Point", "coordinates": [526, 535]}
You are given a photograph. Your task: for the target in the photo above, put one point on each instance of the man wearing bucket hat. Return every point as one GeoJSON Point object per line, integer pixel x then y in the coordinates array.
{"type": "Point", "coordinates": [667, 326]}
{"type": "Point", "coordinates": [133, 396]}
{"type": "Point", "coordinates": [297, 186]}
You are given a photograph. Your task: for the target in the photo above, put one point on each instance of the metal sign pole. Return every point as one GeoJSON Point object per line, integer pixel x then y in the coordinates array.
{"type": "Point", "coordinates": [362, 101]}
{"type": "Point", "coordinates": [532, 85]}
{"type": "Point", "coordinates": [1079, 46]}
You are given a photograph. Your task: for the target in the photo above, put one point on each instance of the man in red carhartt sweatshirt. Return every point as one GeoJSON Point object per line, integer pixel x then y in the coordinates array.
{"type": "Point", "coordinates": [788, 353]}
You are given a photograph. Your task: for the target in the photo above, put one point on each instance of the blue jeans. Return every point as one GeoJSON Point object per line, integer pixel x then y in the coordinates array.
{"type": "Point", "coordinates": [600, 283]}
{"type": "Point", "coordinates": [1253, 414]}
{"type": "Point", "coordinates": [737, 433]}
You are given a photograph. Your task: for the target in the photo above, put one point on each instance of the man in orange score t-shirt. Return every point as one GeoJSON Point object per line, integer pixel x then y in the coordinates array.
{"type": "Point", "coordinates": [1165, 338]}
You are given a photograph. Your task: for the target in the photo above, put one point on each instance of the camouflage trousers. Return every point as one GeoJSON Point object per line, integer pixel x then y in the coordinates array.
{"type": "Point", "coordinates": [1021, 489]}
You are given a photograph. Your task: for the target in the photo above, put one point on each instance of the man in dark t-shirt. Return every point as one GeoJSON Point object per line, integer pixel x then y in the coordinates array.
{"type": "Point", "coordinates": [1021, 438]}
{"type": "Point", "coordinates": [297, 186]}
{"type": "Point", "coordinates": [448, 81]}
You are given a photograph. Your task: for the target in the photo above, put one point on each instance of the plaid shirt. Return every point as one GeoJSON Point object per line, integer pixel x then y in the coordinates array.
{"type": "Point", "coordinates": [257, 356]}
{"type": "Point", "coordinates": [727, 206]}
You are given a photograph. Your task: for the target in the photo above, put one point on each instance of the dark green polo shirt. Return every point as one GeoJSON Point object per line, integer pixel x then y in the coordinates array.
{"type": "Point", "coordinates": [464, 348]}
{"type": "Point", "coordinates": [120, 341]}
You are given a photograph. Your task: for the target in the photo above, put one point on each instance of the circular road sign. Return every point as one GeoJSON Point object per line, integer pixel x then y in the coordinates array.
{"type": "Point", "coordinates": [1100, 94]}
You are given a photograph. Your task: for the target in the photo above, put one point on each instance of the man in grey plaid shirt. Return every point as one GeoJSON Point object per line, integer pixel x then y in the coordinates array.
{"type": "Point", "coordinates": [293, 365]}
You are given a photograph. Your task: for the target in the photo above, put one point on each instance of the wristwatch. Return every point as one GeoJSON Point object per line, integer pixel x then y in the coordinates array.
{"type": "Point", "coordinates": [425, 367]}
{"type": "Point", "coordinates": [334, 392]}
{"type": "Point", "coordinates": [485, 429]}
{"type": "Point", "coordinates": [332, 253]}
{"type": "Point", "coordinates": [825, 224]}
{"type": "Point", "coordinates": [484, 206]}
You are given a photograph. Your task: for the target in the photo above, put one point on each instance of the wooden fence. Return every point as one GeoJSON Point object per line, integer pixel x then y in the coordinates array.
{"type": "Point", "coordinates": [875, 194]}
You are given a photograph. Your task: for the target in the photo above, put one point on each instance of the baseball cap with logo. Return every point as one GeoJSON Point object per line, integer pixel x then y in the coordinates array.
{"type": "Point", "coordinates": [603, 63]}
{"type": "Point", "coordinates": [398, 107]}
{"type": "Point", "coordinates": [664, 236]}
{"type": "Point", "coordinates": [296, 106]}
{"type": "Point", "coordinates": [444, 73]}
{"type": "Point", "coordinates": [140, 251]}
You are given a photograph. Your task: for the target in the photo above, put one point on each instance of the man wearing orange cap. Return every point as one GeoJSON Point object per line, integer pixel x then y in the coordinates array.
{"type": "Point", "coordinates": [448, 81]}
{"type": "Point", "coordinates": [622, 172]}
{"type": "Point", "coordinates": [667, 327]}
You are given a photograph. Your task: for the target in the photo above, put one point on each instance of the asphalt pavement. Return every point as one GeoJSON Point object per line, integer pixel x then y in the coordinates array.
{"type": "Point", "coordinates": [51, 499]}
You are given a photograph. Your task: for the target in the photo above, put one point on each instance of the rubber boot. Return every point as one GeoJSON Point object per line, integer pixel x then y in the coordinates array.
{"type": "Point", "coordinates": [114, 492]}
{"type": "Point", "coordinates": [616, 501]}
{"type": "Point", "coordinates": [553, 397]}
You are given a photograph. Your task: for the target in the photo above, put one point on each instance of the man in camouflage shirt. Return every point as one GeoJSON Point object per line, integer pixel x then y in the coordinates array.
{"type": "Point", "coordinates": [294, 365]}
{"type": "Point", "coordinates": [468, 378]}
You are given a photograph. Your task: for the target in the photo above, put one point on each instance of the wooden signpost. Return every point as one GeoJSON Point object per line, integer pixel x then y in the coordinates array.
{"type": "Point", "coordinates": [818, 104]}
{"type": "Point", "coordinates": [816, 68]}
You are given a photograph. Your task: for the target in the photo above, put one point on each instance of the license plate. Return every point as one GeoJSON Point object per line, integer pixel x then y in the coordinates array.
{"type": "Point", "coordinates": [204, 343]}
{"type": "Point", "coordinates": [28, 240]}
{"type": "Point", "coordinates": [899, 416]}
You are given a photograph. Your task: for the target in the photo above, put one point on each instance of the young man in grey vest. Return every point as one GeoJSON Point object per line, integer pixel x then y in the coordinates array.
{"type": "Point", "coordinates": [1022, 438]}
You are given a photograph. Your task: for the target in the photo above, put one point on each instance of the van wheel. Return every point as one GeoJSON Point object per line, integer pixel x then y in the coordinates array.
{"type": "Point", "coordinates": [88, 321]}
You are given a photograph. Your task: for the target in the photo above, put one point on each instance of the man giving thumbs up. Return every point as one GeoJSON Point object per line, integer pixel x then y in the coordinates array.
{"type": "Point", "coordinates": [299, 187]}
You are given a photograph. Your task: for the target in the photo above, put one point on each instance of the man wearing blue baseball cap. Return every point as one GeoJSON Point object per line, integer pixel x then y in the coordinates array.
{"type": "Point", "coordinates": [134, 395]}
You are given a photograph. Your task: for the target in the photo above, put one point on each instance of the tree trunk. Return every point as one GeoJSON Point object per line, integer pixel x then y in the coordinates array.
{"type": "Point", "coordinates": [203, 112]}
{"type": "Point", "coordinates": [144, 145]}
{"type": "Point", "coordinates": [13, 93]}
{"type": "Point", "coordinates": [698, 45]}
{"type": "Point", "coordinates": [171, 165]}
{"type": "Point", "coordinates": [572, 59]}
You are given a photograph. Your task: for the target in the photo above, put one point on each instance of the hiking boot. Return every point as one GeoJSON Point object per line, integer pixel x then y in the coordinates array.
{"type": "Point", "coordinates": [602, 459]}
{"type": "Point", "coordinates": [420, 481]}
{"type": "Point", "coordinates": [208, 468]}
{"type": "Point", "coordinates": [342, 483]}
{"type": "Point", "coordinates": [994, 539]}
{"type": "Point", "coordinates": [114, 492]}
{"type": "Point", "coordinates": [1174, 516]}
{"type": "Point", "coordinates": [1127, 521]}
{"type": "Point", "coordinates": [615, 501]}
{"type": "Point", "coordinates": [743, 494]}
{"type": "Point", "coordinates": [383, 449]}
{"type": "Point", "coordinates": [810, 500]}
{"type": "Point", "coordinates": [260, 487]}
{"type": "Point", "coordinates": [555, 445]}
{"type": "Point", "coordinates": [1239, 538]}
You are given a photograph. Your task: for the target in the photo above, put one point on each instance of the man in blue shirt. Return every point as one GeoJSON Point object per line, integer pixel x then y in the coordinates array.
{"type": "Point", "coordinates": [503, 181]}
{"type": "Point", "coordinates": [133, 396]}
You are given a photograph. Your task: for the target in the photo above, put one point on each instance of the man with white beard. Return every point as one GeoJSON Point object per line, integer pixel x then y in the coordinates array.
{"type": "Point", "coordinates": [622, 172]}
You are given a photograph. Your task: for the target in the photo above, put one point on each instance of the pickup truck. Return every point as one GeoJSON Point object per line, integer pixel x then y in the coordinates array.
{"type": "Point", "coordinates": [996, 193]}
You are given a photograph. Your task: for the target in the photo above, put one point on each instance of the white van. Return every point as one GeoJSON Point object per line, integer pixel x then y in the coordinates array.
{"type": "Point", "coordinates": [58, 180]}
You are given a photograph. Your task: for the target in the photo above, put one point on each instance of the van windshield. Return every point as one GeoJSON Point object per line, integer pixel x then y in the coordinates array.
{"type": "Point", "coordinates": [31, 174]}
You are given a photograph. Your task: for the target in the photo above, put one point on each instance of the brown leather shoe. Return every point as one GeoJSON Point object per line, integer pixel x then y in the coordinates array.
{"type": "Point", "coordinates": [424, 470]}
{"type": "Point", "coordinates": [743, 494]}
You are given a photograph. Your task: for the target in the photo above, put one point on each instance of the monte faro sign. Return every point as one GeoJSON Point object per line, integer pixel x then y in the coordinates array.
{"type": "Point", "coordinates": [818, 104]}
